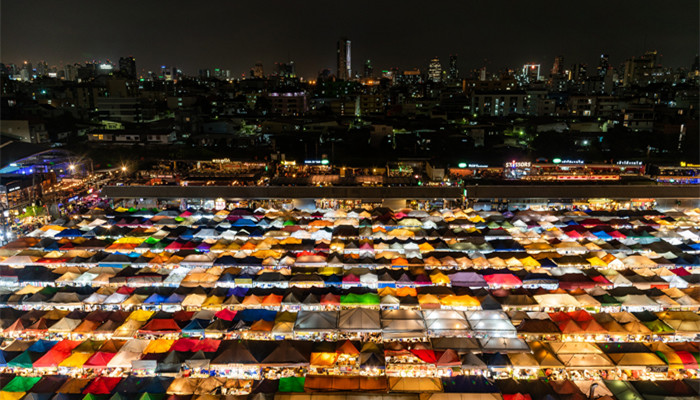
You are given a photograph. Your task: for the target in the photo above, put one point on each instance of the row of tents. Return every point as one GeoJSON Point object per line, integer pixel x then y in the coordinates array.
{"type": "Point", "coordinates": [61, 387]}
{"type": "Point", "coordinates": [246, 358]}
{"type": "Point", "coordinates": [392, 324]}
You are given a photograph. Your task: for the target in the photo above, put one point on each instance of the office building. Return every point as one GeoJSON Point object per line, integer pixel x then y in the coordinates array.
{"type": "Point", "coordinates": [434, 70]}
{"type": "Point", "coordinates": [344, 60]}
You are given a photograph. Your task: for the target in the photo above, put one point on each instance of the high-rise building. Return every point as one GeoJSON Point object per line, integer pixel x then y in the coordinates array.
{"type": "Point", "coordinates": [257, 71]}
{"type": "Point", "coordinates": [558, 66]}
{"type": "Point", "coordinates": [127, 67]}
{"type": "Point", "coordinates": [531, 73]}
{"type": "Point", "coordinates": [453, 71]}
{"type": "Point", "coordinates": [603, 65]}
{"type": "Point", "coordinates": [639, 70]}
{"type": "Point", "coordinates": [368, 70]}
{"type": "Point", "coordinates": [344, 60]}
{"type": "Point", "coordinates": [578, 73]}
{"type": "Point", "coordinates": [286, 70]}
{"type": "Point", "coordinates": [70, 72]}
{"type": "Point", "coordinates": [434, 70]}
{"type": "Point", "coordinates": [42, 69]}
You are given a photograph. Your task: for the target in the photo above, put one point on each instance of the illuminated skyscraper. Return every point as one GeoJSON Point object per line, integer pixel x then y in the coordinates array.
{"type": "Point", "coordinates": [368, 71]}
{"type": "Point", "coordinates": [453, 72]}
{"type": "Point", "coordinates": [558, 66]}
{"type": "Point", "coordinates": [435, 70]}
{"type": "Point", "coordinates": [344, 61]}
{"type": "Point", "coordinates": [603, 65]}
{"type": "Point", "coordinates": [531, 73]}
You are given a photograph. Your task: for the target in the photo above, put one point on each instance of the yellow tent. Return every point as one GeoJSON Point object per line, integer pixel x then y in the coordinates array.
{"type": "Point", "coordinates": [75, 360]}
{"type": "Point", "coordinates": [459, 301]}
{"type": "Point", "coordinates": [140, 315]}
{"type": "Point", "coordinates": [130, 240]}
{"type": "Point", "coordinates": [323, 359]}
{"type": "Point", "coordinates": [597, 262]}
{"type": "Point", "coordinates": [439, 278]}
{"type": "Point", "coordinates": [11, 395]}
{"type": "Point", "coordinates": [530, 262]}
{"type": "Point", "coordinates": [425, 247]}
{"type": "Point", "coordinates": [158, 346]}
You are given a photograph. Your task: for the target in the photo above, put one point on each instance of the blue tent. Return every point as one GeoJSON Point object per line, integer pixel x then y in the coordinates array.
{"type": "Point", "coordinates": [602, 235]}
{"type": "Point", "coordinates": [244, 222]}
{"type": "Point", "coordinates": [69, 233]}
{"type": "Point", "coordinates": [196, 326]}
{"type": "Point", "coordinates": [155, 298]}
{"type": "Point", "coordinates": [252, 315]}
{"type": "Point", "coordinates": [237, 291]}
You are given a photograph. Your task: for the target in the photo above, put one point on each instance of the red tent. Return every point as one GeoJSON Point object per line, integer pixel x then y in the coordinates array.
{"type": "Point", "coordinates": [559, 316]}
{"type": "Point", "coordinates": [580, 315]}
{"type": "Point", "coordinates": [425, 355]}
{"type": "Point", "coordinates": [330, 299]}
{"type": "Point", "coordinates": [160, 326]}
{"type": "Point", "coordinates": [58, 353]}
{"type": "Point", "coordinates": [225, 314]}
{"type": "Point", "coordinates": [184, 344]}
{"type": "Point", "coordinates": [99, 360]}
{"type": "Point", "coordinates": [102, 385]}
{"type": "Point", "coordinates": [126, 290]}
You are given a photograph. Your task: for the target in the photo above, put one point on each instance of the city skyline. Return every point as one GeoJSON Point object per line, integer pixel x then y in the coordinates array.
{"type": "Point", "coordinates": [65, 37]}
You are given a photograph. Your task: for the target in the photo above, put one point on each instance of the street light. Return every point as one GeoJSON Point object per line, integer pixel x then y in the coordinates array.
{"type": "Point", "coordinates": [71, 167]}
{"type": "Point", "coordinates": [123, 169]}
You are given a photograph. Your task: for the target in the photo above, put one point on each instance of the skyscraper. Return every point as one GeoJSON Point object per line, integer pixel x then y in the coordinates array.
{"type": "Point", "coordinates": [603, 65]}
{"type": "Point", "coordinates": [558, 66]}
{"type": "Point", "coordinates": [127, 67]}
{"type": "Point", "coordinates": [453, 72]}
{"type": "Point", "coordinates": [367, 73]}
{"type": "Point", "coordinates": [344, 61]}
{"type": "Point", "coordinates": [257, 71]}
{"type": "Point", "coordinates": [531, 73]}
{"type": "Point", "coordinates": [435, 70]}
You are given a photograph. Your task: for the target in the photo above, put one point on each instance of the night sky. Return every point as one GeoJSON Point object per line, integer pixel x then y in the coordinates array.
{"type": "Point", "coordinates": [235, 34]}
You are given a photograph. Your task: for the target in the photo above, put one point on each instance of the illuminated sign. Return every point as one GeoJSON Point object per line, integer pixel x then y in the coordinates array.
{"type": "Point", "coordinates": [221, 160]}
{"type": "Point", "coordinates": [685, 164]}
{"type": "Point", "coordinates": [518, 164]}
{"type": "Point", "coordinates": [626, 162]}
{"type": "Point", "coordinates": [462, 165]}
{"type": "Point", "coordinates": [572, 162]}
{"type": "Point", "coordinates": [478, 166]}
{"type": "Point", "coordinates": [316, 162]}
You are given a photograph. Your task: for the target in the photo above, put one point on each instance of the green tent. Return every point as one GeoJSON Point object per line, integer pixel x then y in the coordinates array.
{"type": "Point", "coordinates": [363, 299]}
{"type": "Point", "coordinates": [152, 396]}
{"type": "Point", "coordinates": [91, 396]}
{"type": "Point", "coordinates": [118, 396]}
{"type": "Point", "coordinates": [151, 240]}
{"type": "Point", "coordinates": [289, 222]}
{"type": "Point", "coordinates": [658, 326]}
{"type": "Point", "coordinates": [623, 390]}
{"type": "Point", "coordinates": [21, 383]}
{"type": "Point", "coordinates": [24, 360]}
{"type": "Point", "coordinates": [292, 384]}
